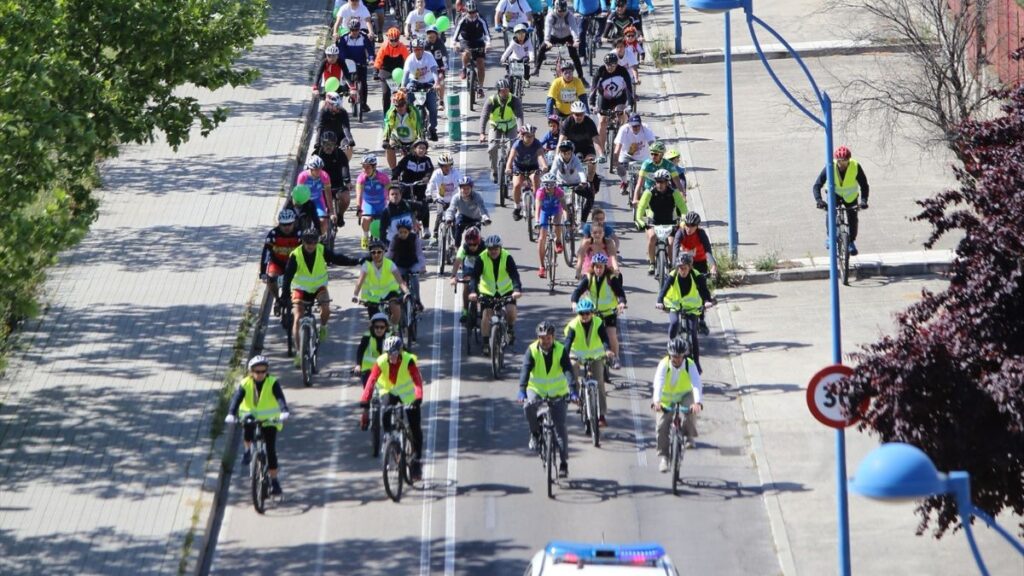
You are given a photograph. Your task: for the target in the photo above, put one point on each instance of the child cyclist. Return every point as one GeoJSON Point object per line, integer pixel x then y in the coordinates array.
{"type": "Point", "coordinates": [550, 206]}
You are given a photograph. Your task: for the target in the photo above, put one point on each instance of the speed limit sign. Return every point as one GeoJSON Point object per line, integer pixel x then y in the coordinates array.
{"type": "Point", "coordinates": [826, 407]}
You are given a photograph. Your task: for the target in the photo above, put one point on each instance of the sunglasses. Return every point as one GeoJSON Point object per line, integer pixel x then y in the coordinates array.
{"type": "Point", "coordinates": [376, 252]}
{"type": "Point", "coordinates": [630, 35]}
{"type": "Point", "coordinates": [260, 371]}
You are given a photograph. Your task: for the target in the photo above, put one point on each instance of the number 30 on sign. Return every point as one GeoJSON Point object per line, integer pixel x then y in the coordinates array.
{"type": "Point", "coordinates": [825, 406]}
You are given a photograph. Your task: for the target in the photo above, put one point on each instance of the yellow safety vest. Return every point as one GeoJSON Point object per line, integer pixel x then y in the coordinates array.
{"type": "Point", "coordinates": [847, 188]}
{"type": "Point", "coordinates": [676, 388]}
{"type": "Point", "coordinates": [692, 302]}
{"type": "Point", "coordinates": [586, 345]}
{"type": "Point", "coordinates": [491, 285]}
{"type": "Point", "coordinates": [379, 283]}
{"type": "Point", "coordinates": [371, 354]}
{"type": "Point", "coordinates": [501, 116]}
{"type": "Point", "coordinates": [310, 282]}
{"type": "Point", "coordinates": [603, 295]}
{"type": "Point", "coordinates": [403, 386]}
{"type": "Point", "coordinates": [262, 405]}
{"type": "Point", "coordinates": [548, 383]}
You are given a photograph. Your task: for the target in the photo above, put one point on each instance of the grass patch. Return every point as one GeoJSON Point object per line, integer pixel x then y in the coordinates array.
{"type": "Point", "coordinates": [730, 272]}
{"type": "Point", "coordinates": [190, 538]}
{"type": "Point", "coordinates": [767, 262]}
{"type": "Point", "coordinates": [660, 52]}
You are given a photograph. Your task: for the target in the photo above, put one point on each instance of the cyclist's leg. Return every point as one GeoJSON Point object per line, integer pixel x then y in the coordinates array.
{"type": "Point", "coordinates": [651, 243]}
{"type": "Point", "coordinates": [419, 192]}
{"type": "Point", "coordinates": [574, 54]}
{"type": "Point", "coordinates": [394, 308]}
{"type": "Point", "coordinates": [432, 109]}
{"type": "Point", "coordinates": [691, 321]}
{"type": "Point", "coordinates": [558, 217]}
{"type": "Point", "coordinates": [248, 435]}
{"type": "Point", "coordinates": [299, 307]}
{"type": "Point", "coordinates": [559, 409]}
{"type": "Point", "coordinates": [673, 323]}
{"type": "Point", "coordinates": [853, 219]}
{"type": "Point", "coordinates": [325, 306]}
{"type": "Point", "coordinates": [510, 316]}
{"type": "Point", "coordinates": [588, 202]}
{"type": "Point", "coordinates": [415, 430]}
{"type": "Point", "coordinates": [270, 438]}
{"type": "Point", "coordinates": [517, 189]}
{"type": "Point", "coordinates": [530, 410]}
{"type": "Point", "coordinates": [542, 239]}
{"type": "Point", "coordinates": [664, 424]}
{"type": "Point", "coordinates": [361, 73]}
{"type": "Point", "coordinates": [385, 101]}
{"type": "Point", "coordinates": [480, 69]}
{"type": "Point", "coordinates": [600, 374]}
{"type": "Point", "coordinates": [485, 323]}
{"type": "Point", "coordinates": [611, 323]}
{"type": "Point", "coordinates": [690, 421]}
{"type": "Point", "coordinates": [492, 150]}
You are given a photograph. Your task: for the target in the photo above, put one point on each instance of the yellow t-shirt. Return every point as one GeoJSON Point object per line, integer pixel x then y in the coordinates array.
{"type": "Point", "coordinates": [565, 94]}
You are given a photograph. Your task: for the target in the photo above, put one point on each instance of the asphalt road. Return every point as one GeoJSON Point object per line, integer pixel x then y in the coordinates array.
{"type": "Point", "coordinates": [481, 508]}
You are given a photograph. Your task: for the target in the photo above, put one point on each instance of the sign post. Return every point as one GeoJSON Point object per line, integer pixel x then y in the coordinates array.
{"type": "Point", "coordinates": [827, 407]}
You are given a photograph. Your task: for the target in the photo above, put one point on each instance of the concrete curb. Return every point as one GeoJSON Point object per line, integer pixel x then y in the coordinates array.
{"type": "Point", "coordinates": [894, 264]}
{"type": "Point", "coordinates": [778, 51]}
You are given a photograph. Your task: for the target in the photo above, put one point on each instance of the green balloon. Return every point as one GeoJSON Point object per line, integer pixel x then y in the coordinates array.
{"type": "Point", "coordinates": [430, 18]}
{"type": "Point", "coordinates": [332, 84]}
{"type": "Point", "coordinates": [342, 31]}
{"type": "Point", "coordinates": [443, 23]}
{"type": "Point", "coordinates": [375, 229]}
{"type": "Point", "coordinates": [397, 74]}
{"type": "Point", "coordinates": [300, 194]}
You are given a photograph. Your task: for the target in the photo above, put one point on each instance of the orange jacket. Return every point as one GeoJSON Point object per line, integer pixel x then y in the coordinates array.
{"type": "Point", "coordinates": [391, 56]}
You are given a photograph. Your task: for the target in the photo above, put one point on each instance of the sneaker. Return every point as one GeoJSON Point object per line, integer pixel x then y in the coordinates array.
{"type": "Point", "coordinates": [341, 222]}
{"type": "Point", "coordinates": [364, 243]}
{"type": "Point", "coordinates": [275, 487]}
{"type": "Point", "coordinates": [663, 465]}
{"type": "Point", "coordinates": [433, 243]}
{"type": "Point", "coordinates": [616, 365]}
{"type": "Point", "coordinates": [510, 337]}
{"type": "Point", "coordinates": [853, 249]}
{"type": "Point", "coordinates": [366, 107]}
{"type": "Point", "coordinates": [623, 188]}
{"type": "Point", "coordinates": [246, 457]}
{"type": "Point", "coordinates": [432, 135]}
{"type": "Point", "coordinates": [415, 471]}
{"type": "Point", "coordinates": [297, 361]}
{"type": "Point", "coordinates": [690, 443]}
{"type": "Point", "coordinates": [702, 327]}
{"type": "Point", "coordinates": [534, 444]}
{"type": "Point", "coordinates": [517, 213]}
{"type": "Point", "coordinates": [559, 248]}
{"type": "Point", "coordinates": [494, 176]}
{"type": "Point", "coordinates": [426, 234]}
{"type": "Point", "coordinates": [602, 422]}
{"type": "Point", "coordinates": [487, 347]}
{"type": "Point", "coordinates": [323, 333]}
{"type": "Point", "coordinates": [563, 469]}
{"type": "Point", "coordinates": [542, 273]}
{"type": "Point", "coordinates": [650, 269]}
{"type": "Point", "coordinates": [463, 318]}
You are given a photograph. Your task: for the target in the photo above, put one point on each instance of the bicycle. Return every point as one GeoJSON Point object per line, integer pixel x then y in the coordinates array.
{"type": "Point", "coordinates": [547, 444]}
{"type": "Point", "coordinates": [528, 199]}
{"type": "Point", "coordinates": [677, 443]}
{"type": "Point", "coordinates": [499, 331]}
{"type": "Point", "coordinates": [472, 324]}
{"type": "Point", "coordinates": [613, 124]}
{"type": "Point", "coordinates": [688, 330]}
{"type": "Point", "coordinates": [569, 230]}
{"type": "Point", "coordinates": [356, 88]}
{"type": "Point", "coordinates": [259, 466]}
{"type": "Point", "coordinates": [843, 240]}
{"type": "Point", "coordinates": [516, 72]}
{"type": "Point", "coordinates": [282, 309]}
{"type": "Point", "coordinates": [309, 341]}
{"type": "Point", "coordinates": [561, 55]}
{"type": "Point", "coordinates": [397, 453]}
{"type": "Point", "coordinates": [550, 255]}
{"type": "Point", "coordinates": [593, 39]}
{"type": "Point", "coordinates": [410, 308]}
{"type": "Point", "coordinates": [504, 180]}
{"type": "Point", "coordinates": [397, 328]}
{"type": "Point", "coordinates": [664, 233]}
{"type": "Point", "coordinates": [445, 232]}
{"type": "Point", "coordinates": [589, 406]}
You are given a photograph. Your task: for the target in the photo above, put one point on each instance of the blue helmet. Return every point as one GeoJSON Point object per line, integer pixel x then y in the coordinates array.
{"type": "Point", "coordinates": [585, 305]}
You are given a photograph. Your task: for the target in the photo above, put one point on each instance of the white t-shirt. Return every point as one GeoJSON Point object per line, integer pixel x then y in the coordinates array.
{"type": "Point", "coordinates": [628, 58]}
{"type": "Point", "coordinates": [514, 12]}
{"type": "Point", "coordinates": [517, 51]}
{"type": "Point", "coordinates": [347, 12]}
{"type": "Point", "coordinates": [415, 24]}
{"type": "Point", "coordinates": [442, 187]}
{"type": "Point", "coordinates": [423, 70]}
{"type": "Point", "coordinates": [635, 145]}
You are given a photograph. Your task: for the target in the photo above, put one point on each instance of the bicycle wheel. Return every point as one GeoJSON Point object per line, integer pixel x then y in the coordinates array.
{"type": "Point", "coordinates": [659, 266]}
{"type": "Point", "coordinates": [677, 460]}
{"type": "Point", "coordinates": [287, 320]}
{"type": "Point", "coordinates": [549, 459]}
{"type": "Point", "coordinates": [528, 214]}
{"type": "Point", "coordinates": [499, 168]}
{"type": "Point", "coordinates": [569, 244]}
{"type": "Point", "coordinates": [443, 252]}
{"type": "Point", "coordinates": [407, 458]}
{"type": "Point", "coordinates": [410, 307]}
{"type": "Point", "coordinates": [592, 406]}
{"type": "Point", "coordinates": [305, 347]}
{"type": "Point", "coordinates": [550, 261]}
{"type": "Point", "coordinates": [257, 476]}
{"type": "Point", "coordinates": [392, 470]}
{"type": "Point", "coordinates": [496, 350]}
{"type": "Point", "coordinates": [844, 256]}
{"type": "Point", "coordinates": [471, 76]}
{"type": "Point", "coordinates": [375, 433]}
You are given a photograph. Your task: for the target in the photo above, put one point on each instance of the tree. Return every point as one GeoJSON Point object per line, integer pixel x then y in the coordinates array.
{"type": "Point", "coordinates": [951, 381]}
{"type": "Point", "coordinates": [78, 78]}
{"type": "Point", "coordinates": [942, 86]}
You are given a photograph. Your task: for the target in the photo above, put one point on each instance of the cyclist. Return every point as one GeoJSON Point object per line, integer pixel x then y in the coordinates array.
{"type": "Point", "coordinates": [353, 9]}
{"type": "Point", "coordinates": [403, 126]}
{"type": "Point", "coordinates": [685, 293]}
{"type": "Point", "coordinates": [561, 27]}
{"type": "Point", "coordinates": [693, 239]}
{"type": "Point", "coordinates": [260, 395]}
{"type": "Point", "coordinates": [305, 211]}
{"type": "Point", "coordinates": [633, 11]}
{"type": "Point", "coordinates": [594, 243]}
{"type": "Point", "coordinates": [539, 11]}
{"type": "Point", "coordinates": [632, 144]}
{"type": "Point", "coordinates": [466, 209]}
{"type": "Point", "coordinates": [851, 183]}
{"type": "Point", "coordinates": [665, 205]}
{"type": "Point", "coordinates": [415, 169]}
{"type": "Point", "coordinates": [617, 22]}
{"type": "Point", "coordinates": [371, 195]}
{"type": "Point", "coordinates": [371, 346]}
{"type": "Point", "coordinates": [435, 46]}
{"type": "Point", "coordinates": [633, 46]}
{"type": "Point", "coordinates": [280, 242]}
{"type": "Point", "coordinates": [545, 375]}
{"type": "Point", "coordinates": [579, 129]}
{"type": "Point", "coordinates": [519, 50]}
{"type": "Point", "coordinates": [334, 118]}
{"type": "Point", "coordinates": [586, 338]}
{"type": "Point", "coordinates": [336, 166]}
{"type": "Point", "coordinates": [379, 282]}
{"type": "Point", "coordinates": [398, 211]}
{"type": "Point", "coordinates": [473, 36]}
{"type": "Point", "coordinates": [604, 287]}
{"type": "Point", "coordinates": [496, 276]}
{"type": "Point", "coordinates": [676, 381]}
{"type": "Point", "coordinates": [614, 87]}
{"type": "Point", "coordinates": [441, 187]}
{"type": "Point", "coordinates": [525, 161]}
{"type": "Point", "coordinates": [421, 75]}
{"type": "Point", "coordinates": [398, 381]}
{"type": "Point", "coordinates": [392, 55]}
{"type": "Point", "coordinates": [568, 170]}
{"type": "Point", "coordinates": [511, 13]}
{"type": "Point", "coordinates": [329, 68]}
{"type": "Point", "coordinates": [565, 91]}
{"type": "Point", "coordinates": [550, 140]}
{"type": "Point", "coordinates": [598, 218]}
{"type": "Point", "coordinates": [357, 46]}
{"type": "Point", "coordinates": [657, 161]}
{"type": "Point", "coordinates": [406, 251]}
{"type": "Point", "coordinates": [502, 114]}
{"type": "Point", "coordinates": [318, 181]}
{"type": "Point", "coordinates": [305, 279]}
{"type": "Point", "coordinates": [589, 11]}
{"type": "Point", "coordinates": [549, 207]}
{"type": "Point", "coordinates": [376, 7]}
{"type": "Point", "coordinates": [415, 22]}
{"type": "Point", "coordinates": [465, 259]}
{"type": "Point", "coordinates": [674, 157]}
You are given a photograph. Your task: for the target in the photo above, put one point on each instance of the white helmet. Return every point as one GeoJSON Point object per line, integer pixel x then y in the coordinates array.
{"type": "Point", "coordinates": [286, 216]}
{"type": "Point", "coordinates": [258, 360]}
{"type": "Point", "coordinates": [577, 108]}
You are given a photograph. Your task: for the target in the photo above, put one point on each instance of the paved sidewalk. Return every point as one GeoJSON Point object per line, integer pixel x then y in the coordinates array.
{"type": "Point", "coordinates": [104, 423]}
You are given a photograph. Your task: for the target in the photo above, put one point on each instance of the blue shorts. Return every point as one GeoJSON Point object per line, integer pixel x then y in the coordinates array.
{"type": "Point", "coordinates": [321, 207]}
{"type": "Point", "coordinates": [546, 216]}
{"type": "Point", "coordinates": [370, 209]}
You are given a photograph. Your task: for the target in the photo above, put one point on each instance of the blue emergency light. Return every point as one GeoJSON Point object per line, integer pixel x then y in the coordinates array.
{"type": "Point", "coordinates": [639, 554]}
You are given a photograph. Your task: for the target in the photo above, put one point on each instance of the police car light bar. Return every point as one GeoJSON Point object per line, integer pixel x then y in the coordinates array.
{"type": "Point", "coordinates": [641, 553]}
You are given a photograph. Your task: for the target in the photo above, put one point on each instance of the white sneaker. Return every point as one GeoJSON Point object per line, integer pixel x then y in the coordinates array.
{"type": "Point", "coordinates": [663, 465]}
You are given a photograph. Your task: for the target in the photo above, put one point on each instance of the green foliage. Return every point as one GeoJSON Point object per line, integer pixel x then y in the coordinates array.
{"type": "Point", "coordinates": [730, 271]}
{"type": "Point", "coordinates": [767, 262]}
{"type": "Point", "coordinates": [77, 79]}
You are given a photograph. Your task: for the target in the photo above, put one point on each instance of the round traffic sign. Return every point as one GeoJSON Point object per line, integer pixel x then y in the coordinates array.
{"type": "Point", "coordinates": [826, 407]}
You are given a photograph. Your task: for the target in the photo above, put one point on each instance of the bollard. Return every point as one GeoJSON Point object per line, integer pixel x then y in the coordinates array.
{"type": "Point", "coordinates": [454, 116]}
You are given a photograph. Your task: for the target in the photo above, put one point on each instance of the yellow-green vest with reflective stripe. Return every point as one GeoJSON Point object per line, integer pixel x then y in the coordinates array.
{"type": "Point", "coordinates": [674, 389]}
{"type": "Point", "coordinates": [847, 188]}
{"type": "Point", "coordinates": [502, 116]}
{"type": "Point", "coordinates": [585, 345]}
{"type": "Point", "coordinates": [603, 295]}
{"type": "Point", "coordinates": [379, 283]}
{"type": "Point", "coordinates": [548, 383]}
{"type": "Point", "coordinates": [310, 282]}
{"type": "Point", "coordinates": [489, 284]}
{"type": "Point", "coordinates": [403, 386]}
{"type": "Point", "coordinates": [371, 354]}
{"type": "Point", "coordinates": [690, 303]}
{"type": "Point", "coordinates": [263, 408]}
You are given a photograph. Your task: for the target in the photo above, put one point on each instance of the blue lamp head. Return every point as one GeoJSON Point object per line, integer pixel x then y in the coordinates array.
{"type": "Point", "coordinates": [718, 6]}
{"type": "Point", "coordinates": [896, 472]}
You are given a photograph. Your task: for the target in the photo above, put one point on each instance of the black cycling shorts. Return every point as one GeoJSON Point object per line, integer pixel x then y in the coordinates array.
{"type": "Point", "coordinates": [610, 320]}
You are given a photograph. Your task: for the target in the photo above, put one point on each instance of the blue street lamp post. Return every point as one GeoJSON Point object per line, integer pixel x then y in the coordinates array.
{"type": "Point", "coordinates": [825, 121]}
{"type": "Point", "coordinates": [898, 472]}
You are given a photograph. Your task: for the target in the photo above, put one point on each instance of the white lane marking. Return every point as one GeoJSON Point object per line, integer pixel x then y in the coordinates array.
{"type": "Point", "coordinates": [453, 452]}
{"type": "Point", "coordinates": [428, 455]}
{"type": "Point", "coordinates": [490, 513]}
{"type": "Point", "coordinates": [489, 418]}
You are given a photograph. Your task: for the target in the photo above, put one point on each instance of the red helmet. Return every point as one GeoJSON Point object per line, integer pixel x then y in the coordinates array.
{"type": "Point", "coordinates": [843, 153]}
{"type": "Point", "coordinates": [471, 235]}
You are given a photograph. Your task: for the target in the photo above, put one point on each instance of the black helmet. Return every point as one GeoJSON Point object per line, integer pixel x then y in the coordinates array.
{"type": "Point", "coordinates": [310, 235]}
{"type": "Point", "coordinates": [566, 145]}
{"type": "Point", "coordinates": [611, 58]}
{"type": "Point", "coordinates": [545, 328]}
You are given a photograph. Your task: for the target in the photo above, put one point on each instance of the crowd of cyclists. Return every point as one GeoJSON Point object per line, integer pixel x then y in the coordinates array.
{"type": "Point", "coordinates": [400, 210]}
